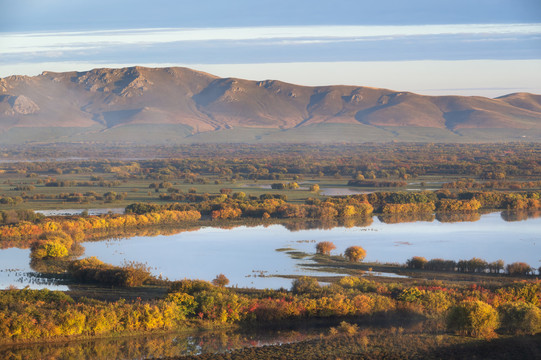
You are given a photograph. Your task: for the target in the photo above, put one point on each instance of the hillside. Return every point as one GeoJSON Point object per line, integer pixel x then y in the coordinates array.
{"type": "Point", "coordinates": [142, 105]}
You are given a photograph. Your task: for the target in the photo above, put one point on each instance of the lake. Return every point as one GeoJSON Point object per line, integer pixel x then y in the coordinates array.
{"type": "Point", "coordinates": [256, 256]}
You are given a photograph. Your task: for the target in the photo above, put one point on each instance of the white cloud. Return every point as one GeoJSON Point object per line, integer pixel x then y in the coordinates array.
{"type": "Point", "coordinates": [20, 43]}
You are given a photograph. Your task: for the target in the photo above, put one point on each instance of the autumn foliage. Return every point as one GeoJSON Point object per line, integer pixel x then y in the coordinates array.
{"type": "Point", "coordinates": [355, 253]}
{"type": "Point", "coordinates": [83, 225]}
{"type": "Point", "coordinates": [325, 247]}
{"type": "Point", "coordinates": [95, 271]}
{"type": "Point", "coordinates": [468, 310]}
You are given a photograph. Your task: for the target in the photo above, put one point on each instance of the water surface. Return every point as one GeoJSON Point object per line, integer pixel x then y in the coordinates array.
{"type": "Point", "coordinates": [244, 253]}
{"type": "Point", "coordinates": [257, 256]}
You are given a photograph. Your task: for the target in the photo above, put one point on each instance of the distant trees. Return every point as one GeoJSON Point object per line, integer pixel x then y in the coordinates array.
{"type": "Point", "coordinates": [355, 253]}
{"type": "Point", "coordinates": [474, 265]}
{"type": "Point", "coordinates": [220, 280]}
{"type": "Point", "coordinates": [325, 247]}
{"type": "Point", "coordinates": [518, 268]}
{"type": "Point", "coordinates": [82, 225]}
{"type": "Point", "coordinates": [285, 186]}
{"type": "Point", "coordinates": [427, 207]}
{"type": "Point", "coordinates": [496, 267]}
{"type": "Point", "coordinates": [416, 262]}
{"type": "Point", "coordinates": [441, 265]}
{"type": "Point", "coordinates": [458, 205]}
{"type": "Point", "coordinates": [15, 216]}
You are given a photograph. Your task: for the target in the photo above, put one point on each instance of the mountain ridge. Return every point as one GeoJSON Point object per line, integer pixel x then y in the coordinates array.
{"type": "Point", "coordinates": [199, 105]}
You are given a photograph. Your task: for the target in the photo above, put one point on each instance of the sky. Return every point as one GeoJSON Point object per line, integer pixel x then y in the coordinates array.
{"type": "Point", "coordinates": [433, 47]}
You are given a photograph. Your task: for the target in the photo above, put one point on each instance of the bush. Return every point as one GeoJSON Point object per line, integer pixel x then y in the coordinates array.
{"type": "Point", "coordinates": [355, 253]}
{"type": "Point", "coordinates": [345, 328]}
{"type": "Point", "coordinates": [473, 318]}
{"type": "Point", "coordinates": [190, 286]}
{"type": "Point", "coordinates": [93, 270]}
{"type": "Point", "coordinates": [314, 188]}
{"type": "Point", "coordinates": [186, 304]}
{"type": "Point", "coordinates": [520, 318]}
{"type": "Point", "coordinates": [325, 247]}
{"type": "Point", "coordinates": [48, 250]}
{"type": "Point", "coordinates": [304, 285]}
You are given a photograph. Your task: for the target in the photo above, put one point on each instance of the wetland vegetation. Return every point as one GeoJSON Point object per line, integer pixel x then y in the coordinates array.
{"type": "Point", "coordinates": [267, 199]}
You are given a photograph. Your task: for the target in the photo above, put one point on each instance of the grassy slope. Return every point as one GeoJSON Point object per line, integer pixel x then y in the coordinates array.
{"type": "Point", "coordinates": [316, 133]}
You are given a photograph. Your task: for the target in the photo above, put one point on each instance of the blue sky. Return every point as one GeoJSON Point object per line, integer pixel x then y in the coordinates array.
{"type": "Point", "coordinates": [473, 47]}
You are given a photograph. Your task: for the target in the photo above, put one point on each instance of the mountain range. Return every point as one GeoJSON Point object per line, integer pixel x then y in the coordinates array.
{"type": "Point", "coordinates": [180, 105]}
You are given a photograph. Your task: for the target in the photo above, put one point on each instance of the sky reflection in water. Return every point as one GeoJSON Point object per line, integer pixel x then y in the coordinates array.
{"type": "Point", "coordinates": [240, 253]}
{"type": "Point", "coordinates": [244, 253]}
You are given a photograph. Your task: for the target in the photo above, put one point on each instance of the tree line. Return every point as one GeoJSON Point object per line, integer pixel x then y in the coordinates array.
{"type": "Point", "coordinates": [474, 265]}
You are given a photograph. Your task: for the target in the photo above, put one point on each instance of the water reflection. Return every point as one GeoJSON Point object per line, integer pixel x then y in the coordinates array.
{"type": "Point", "coordinates": [328, 224]}
{"type": "Point", "coordinates": [406, 218]}
{"type": "Point", "coordinates": [21, 279]}
{"type": "Point", "coordinates": [520, 215]}
{"type": "Point", "coordinates": [458, 217]}
{"type": "Point", "coordinates": [243, 251]}
{"type": "Point", "coordinates": [155, 346]}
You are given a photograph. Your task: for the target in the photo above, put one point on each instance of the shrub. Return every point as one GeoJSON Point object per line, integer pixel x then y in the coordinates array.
{"type": "Point", "coordinates": [186, 304]}
{"type": "Point", "coordinates": [190, 286]}
{"type": "Point", "coordinates": [305, 284]}
{"type": "Point", "coordinates": [219, 305]}
{"type": "Point", "coordinates": [93, 270]}
{"type": "Point", "coordinates": [347, 328]}
{"type": "Point", "coordinates": [473, 318]}
{"type": "Point", "coordinates": [325, 247]}
{"type": "Point", "coordinates": [55, 250]}
{"type": "Point", "coordinates": [436, 302]}
{"type": "Point", "coordinates": [355, 253]}
{"type": "Point", "coordinates": [134, 274]}
{"type": "Point", "coordinates": [412, 294]}
{"type": "Point", "coordinates": [520, 318]}
{"type": "Point", "coordinates": [48, 249]}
